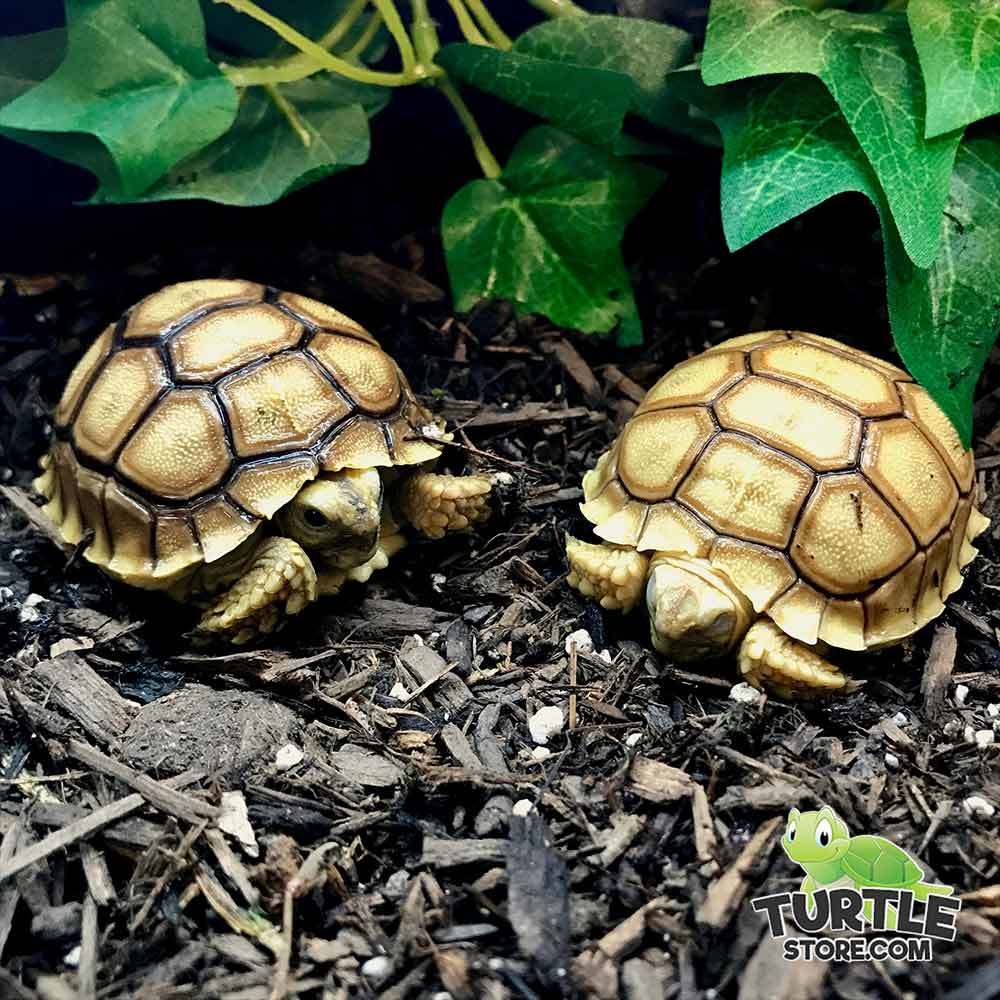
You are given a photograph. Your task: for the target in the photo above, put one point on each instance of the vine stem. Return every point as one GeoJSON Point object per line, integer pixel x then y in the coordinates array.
{"type": "Point", "coordinates": [366, 37]}
{"type": "Point", "coordinates": [286, 107]}
{"type": "Point", "coordinates": [324, 59]}
{"type": "Point", "coordinates": [468, 27]}
{"type": "Point", "coordinates": [558, 8]}
{"type": "Point", "coordinates": [492, 30]}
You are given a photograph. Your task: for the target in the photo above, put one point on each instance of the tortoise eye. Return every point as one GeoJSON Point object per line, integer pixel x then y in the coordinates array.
{"type": "Point", "coordinates": [824, 833]}
{"type": "Point", "coordinates": [314, 518]}
{"type": "Point", "coordinates": [791, 831]}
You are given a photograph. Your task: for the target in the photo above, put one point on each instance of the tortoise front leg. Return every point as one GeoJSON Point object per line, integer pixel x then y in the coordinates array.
{"type": "Point", "coordinates": [279, 580]}
{"type": "Point", "coordinates": [773, 661]}
{"type": "Point", "coordinates": [613, 576]}
{"type": "Point", "coordinates": [436, 504]}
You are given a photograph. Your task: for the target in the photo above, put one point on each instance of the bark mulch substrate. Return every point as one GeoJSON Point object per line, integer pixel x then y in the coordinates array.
{"type": "Point", "coordinates": [360, 808]}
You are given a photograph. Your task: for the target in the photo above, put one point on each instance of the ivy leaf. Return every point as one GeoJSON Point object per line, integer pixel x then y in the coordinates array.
{"type": "Point", "coordinates": [869, 65]}
{"type": "Point", "coordinates": [959, 46]}
{"type": "Point", "coordinates": [137, 77]}
{"type": "Point", "coordinates": [546, 234]}
{"type": "Point", "coordinates": [788, 148]}
{"type": "Point", "coordinates": [262, 158]}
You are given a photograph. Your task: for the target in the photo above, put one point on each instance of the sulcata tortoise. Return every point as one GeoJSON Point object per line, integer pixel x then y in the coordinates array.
{"type": "Point", "coordinates": [780, 494]}
{"type": "Point", "coordinates": [246, 450]}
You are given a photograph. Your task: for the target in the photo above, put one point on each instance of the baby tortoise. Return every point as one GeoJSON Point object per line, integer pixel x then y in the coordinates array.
{"type": "Point", "coordinates": [246, 450]}
{"type": "Point", "coordinates": [778, 495]}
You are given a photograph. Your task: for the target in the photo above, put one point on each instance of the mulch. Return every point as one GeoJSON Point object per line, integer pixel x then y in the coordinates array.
{"type": "Point", "coordinates": [365, 806]}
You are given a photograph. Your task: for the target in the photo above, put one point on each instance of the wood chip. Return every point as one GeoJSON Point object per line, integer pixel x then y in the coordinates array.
{"type": "Point", "coordinates": [705, 844]}
{"type": "Point", "coordinates": [89, 939]}
{"type": "Point", "coordinates": [37, 518]}
{"type": "Point", "coordinates": [577, 369]}
{"type": "Point", "coordinates": [95, 870]}
{"type": "Point", "coordinates": [615, 840]}
{"type": "Point", "coordinates": [658, 782]}
{"type": "Point", "coordinates": [440, 852]}
{"type": "Point", "coordinates": [459, 746]}
{"type": "Point", "coordinates": [619, 381]}
{"type": "Point", "coordinates": [937, 670]}
{"type": "Point", "coordinates": [768, 976]}
{"type": "Point", "coordinates": [431, 671]}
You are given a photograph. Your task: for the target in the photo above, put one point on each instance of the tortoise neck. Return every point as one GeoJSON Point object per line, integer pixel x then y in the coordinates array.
{"type": "Point", "coordinates": [824, 872]}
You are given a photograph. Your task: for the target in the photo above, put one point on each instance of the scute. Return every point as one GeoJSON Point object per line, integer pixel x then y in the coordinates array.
{"type": "Point", "coordinates": [848, 537]}
{"type": "Point", "coordinates": [264, 488]}
{"type": "Point", "coordinates": [760, 572]}
{"type": "Point", "coordinates": [362, 370]}
{"type": "Point", "coordinates": [174, 305]}
{"type": "Point", "coordinates": [930, 418]}
{"type": "Point", "coordinates": [81, 375]}
{"type": "Point", "coordinates": [129, 382]}
{"type": "Point", "coordinates": [221, 527]}
{"type": "Point", "coordinates": [697, 380]}
{"type": "Point", "coordinates": [227, 339]}
{"type": "Point", "coordinates": [671, 528]}
{"type": "Point", "coordinates": [359, 444]}
{"type": "Point", "coordinates": [657, 449]}
{"type": "Point", "coordinates": [891, 611]}
{"type": "Point", "coordinates": [281, 405]}
{"type": "Point", "coordinates": [744, 489]}
{"type": "Point", "coordinates": [180, 449]}
{"type": "Point", "coordinates": [323, 316]}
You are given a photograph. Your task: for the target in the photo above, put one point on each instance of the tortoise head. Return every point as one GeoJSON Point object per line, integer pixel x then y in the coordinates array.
{"type": "Point", "coordinates": [815, 837]}
{"type": "Point", "coordinates": [337, 516]}
{"type": "Point", "coordinates": [694, 611]}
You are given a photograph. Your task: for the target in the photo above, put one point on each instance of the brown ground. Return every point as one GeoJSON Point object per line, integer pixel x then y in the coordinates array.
{"type": "Point", "coordinates": [386, 830]}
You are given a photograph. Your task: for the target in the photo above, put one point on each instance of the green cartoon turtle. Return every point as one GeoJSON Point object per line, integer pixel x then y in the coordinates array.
{"type": "Point", "coordinates": [822, 845]}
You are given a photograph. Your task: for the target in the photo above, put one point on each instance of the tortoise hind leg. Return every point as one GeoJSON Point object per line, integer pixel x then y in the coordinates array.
{"type": "Point", "coordinates": [279, 581]}
{"type": "Point", "coordinates": [773, 661]}
{"type": "Point", "coordinates": [436, 504]}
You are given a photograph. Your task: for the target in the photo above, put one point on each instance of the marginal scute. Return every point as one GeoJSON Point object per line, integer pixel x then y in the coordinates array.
{"type": "Point", "coordinates": [848, 537]}
{"type": "Point", "coordinates": [799, 611]}
{"type": "Point", "coordinates": [959, 524]}
{"type": "Point", "coordinates": [657, 449]}
{"type": "Point", "coordinates": [931, 419]}
{"type": "Point", "coordinates": [127, 385]}
{"type": "Point", "coordinates": [408, 447]}
{"type": "Point", "coordinates": [227, 339]}
{"type": "Point", "coordinates": [911, 475]}
{"type": "Point", "coordinates": [323, 316]}
{"type": "Point", "coordinates": [895, 373]}
{"type": "Point", "coordinates": [851, 383]}
{"type": "Point", "coordinates": [172, 306]}
{"type": "Point", "coordinates": [604, 471]}
{"type": "Point", "coordinates": [180, 450]}
{"type": "Point", "coordinates": [360, 444]}
{"type": "Point", "coordinates": [607, 503]}
{"type": "Point", "coordinates": [929, 602]}
{"type": "Point", "coordinates": [71, 522]}
{"type": "Point", "coordinates": [744, 489]}
{"type": "Point", "coordinates": [265, 488]}
{"type": "Point", "coordinates": [177, 548]}
{"type": "Point", "coordinates": [624, 527]}
{"type": "Point", "coordinates": [843, 624]}
{"type": "Point", "coordinates": [697, 380]}
{"type": "Point", "coordinates": [81, 375]}
{"type": "Point", "coordinates": [747, 341]}
{"type": "Point", "coordinates": [798, 421]}
{"type": "Point", "coordinates": [362, 369]}
{"type": "Point", "coordinates": [281, 405]}
{"type": "Point", "coordinates": [130, 529]}
{"type": "Point", "coordinates": [890, 611]}
{"type": "Point", "coordinates": [671, 528]}
{"type": "Point", "coordinates": [761, 573]}
{"type": "Point", "coordinates": [90, 486]}
{"type": "Point", "coordinates": [221, 528]}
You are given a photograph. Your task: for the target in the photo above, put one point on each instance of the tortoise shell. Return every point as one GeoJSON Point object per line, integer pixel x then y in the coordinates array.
{"type": "Point", "coordinates": [204, 410]}
{"type": "Point", "coordinates": [824, 482]}
{"type": "Point", "coordinates": [880, 862]}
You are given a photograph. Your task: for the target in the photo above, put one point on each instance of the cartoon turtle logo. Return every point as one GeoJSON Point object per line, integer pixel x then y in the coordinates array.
{"type": "Point", "coordinates": [822, 845]}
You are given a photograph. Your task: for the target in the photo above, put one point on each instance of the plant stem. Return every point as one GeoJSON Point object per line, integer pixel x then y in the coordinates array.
{"type": "Point", "coordinates": [285, 106]}
{"type": "Point", "coordinates": [387, 8]}
{"type": "Point", "coordinates": [320, 57]}
{"type": "Point", "coordinates": [368, 33]}
{"type": "Point", "coordinates": [468, 27]}
{"type": "Point", "coordinates": [425, 38]}
{"type": "Point", "coordinates": [558, 8]}
{"type": "Point", "coordinates": [493, 30]}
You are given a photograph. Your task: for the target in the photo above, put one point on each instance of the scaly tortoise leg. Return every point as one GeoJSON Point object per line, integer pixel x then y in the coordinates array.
{"type": "Point", "coordinates": [436, 504]}
{"type": "Point", "coordinates": [613, 576]}
{"type": "Point", "coordinates": [390, 541]}
{"type": "Point", "coordinates": [279, 581]}
{"type": "Point", "coordinates": [772, 661]}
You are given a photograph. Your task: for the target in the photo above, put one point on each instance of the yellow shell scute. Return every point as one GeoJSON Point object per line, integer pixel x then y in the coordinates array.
{"type": "Point", "coordinates": [748, 341]}
{"type": "Point", "coordinates": [891, 610]}
{"type": "Point", "coordinates": [179, 450]}
{"type": "Point", "coordinates": [657, 449]}
{"type": "Point", "coordinates": [745, 490]}
{"type": "Point", "coordinates": [281, 405]}
{"type": "Point", "coordinates": [843, 624]}
{"type": "Point", "coordinates": [323, 316]}
{"type": "Point", "coordinates": [852, 383]}
{"type": "Point", "coordinates": [176, 304]}
{"type": "Point", "coordinates": [177, 548]}
{"type": "Point", "coordinates": [671, 528]}
{"type": "Point", "coordinates": [362, 369]}
{"type": "Point", "coordinates": [360, 444]}
{"type": "Point", "coordinates": [799, 612]}
{"type": "Point", "coordinates": [848, 537]}
{"type": "Point", "coordinates": [697, 380]}
{"type": "Point", "coordinates": [799, 421]}
{"type": "Point", "coordinates": [911, 475]}
{"type": "Point", "coordinates": [263, 489]}
{"type": "Point", "coordinates": [624, 527]}
{"type": "Point", "coordinates": [221, 528]}
{"type": "Point", "coordinates": [130, 526]}
{"type": "Point", "coordinates": [930, 418]}
{"type": "Point", "coordinates": [81, 375]}
{"type": "Point", "coordinates": [225, 340]}
{"type": "Point", "coordinates": [761, 573]}
{"type": "Point", "coordinates": [128, 384]}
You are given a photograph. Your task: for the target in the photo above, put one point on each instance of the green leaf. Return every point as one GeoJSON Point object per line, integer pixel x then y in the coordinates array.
{"type": "Point", "coordinates": [869, 65]}
{"type": "Point", "coordinates": [959, 46]}
{"type": "Point", "coordinates": [262, 158]}
{"type": "Point", "coordinates": [945, 319]}
{"type": "Point", "coordinates": [137, 77]}
{"type": "Point", "coordinates": [546, 234]}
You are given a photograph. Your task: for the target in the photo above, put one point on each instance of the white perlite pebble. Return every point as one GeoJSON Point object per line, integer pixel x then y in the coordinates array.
{"type": "Point", "coordinates": [744, 694]}
{"type": "Point", "coordinates": [901, 719]}
{"type": "Point", "coordinates": [377, 968]}
{"type": "Point", "coordinates": [399, 692]}
{"type": "Point", "coordinates": [891, 761]}
{"type": "Point", "coordinates": [546, 722]}
{"type": "Point", "coordinates": [976, 805]}
{"type": "Point", "coordinates": [581, 639]}
{"type": "Point", "coordinates": [632, 739]}
{"type": "Point", "coordinates": [605, 654]}
{"type": "Point", "coordinates": [541, 753]}
{"type": "Point", "coordinates": [72, 958]}
{"type": "Point", "coordinates": [29, 610]}
{"type": "Point", "coordinates": [396, 884]}
{"type": "Point", "coordinates": [288, 756]}
{"type": "Point", "coordinates": [522, 807]}
{"type": "Point", "coordinates": [993, 710]}
{"type": "Point", "coordinates": [961, 693]}
{"type": "Point", "coordinates": [969, 734]}
{"type": "Point", "coordinates": [984, 737]}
